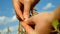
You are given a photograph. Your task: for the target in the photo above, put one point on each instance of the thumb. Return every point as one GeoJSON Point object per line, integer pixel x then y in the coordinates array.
{"type": "Point", "coordinates": [27, 27]}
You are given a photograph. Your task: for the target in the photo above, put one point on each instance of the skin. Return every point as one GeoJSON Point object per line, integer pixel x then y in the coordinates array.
{"type": "Point", "coordinates": [42, 22]}
{"type": "Point", "coordinates": [23, 7]}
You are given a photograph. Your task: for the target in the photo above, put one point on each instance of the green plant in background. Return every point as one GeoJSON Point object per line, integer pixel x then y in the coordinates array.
{"type": "Point", "coordinates": [56, 26]}
{"type": "Point", "coordinates": [8, 31]}
{"type": "Point", "coordinates": [0, 32]}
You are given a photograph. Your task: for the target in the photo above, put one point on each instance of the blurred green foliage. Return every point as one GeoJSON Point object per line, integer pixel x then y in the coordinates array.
{"type": "Point", "coordinates": [56, 26]}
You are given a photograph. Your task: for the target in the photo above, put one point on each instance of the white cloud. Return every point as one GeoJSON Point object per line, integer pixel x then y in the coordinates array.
{"type": "Point", "coordinates": [49, 5]}
{"type": "Point", "coordinates": [4, 19]}
{"type": "Point", "coordinates": [13, 29]}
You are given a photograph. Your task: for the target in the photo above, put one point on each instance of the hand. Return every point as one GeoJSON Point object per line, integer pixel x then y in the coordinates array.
{"type": "Point", "coordinates": [28, 29]}
{"type": "Point", "coordinates": [42, 22]}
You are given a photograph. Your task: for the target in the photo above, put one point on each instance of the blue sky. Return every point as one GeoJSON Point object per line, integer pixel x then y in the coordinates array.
{"type": "Point", "coordinates": [7, 14]}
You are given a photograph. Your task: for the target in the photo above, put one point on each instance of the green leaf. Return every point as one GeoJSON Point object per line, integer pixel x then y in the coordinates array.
{"type": "Point", "coordinates": [55, 23]}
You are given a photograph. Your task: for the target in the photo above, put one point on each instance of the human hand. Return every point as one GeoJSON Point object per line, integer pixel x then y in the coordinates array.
{"type": "Point", "coordinates": [42, 22]}
{"type": "Point", "coordinates": [39, 24]}
{"type": "Point", "coordinates": [28, 29]}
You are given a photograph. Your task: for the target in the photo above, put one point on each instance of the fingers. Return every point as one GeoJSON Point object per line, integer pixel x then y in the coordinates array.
{"type": "Point", "coordinates": [29, 21]}
{"type": "Point", "coordinates": [27, 27]}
